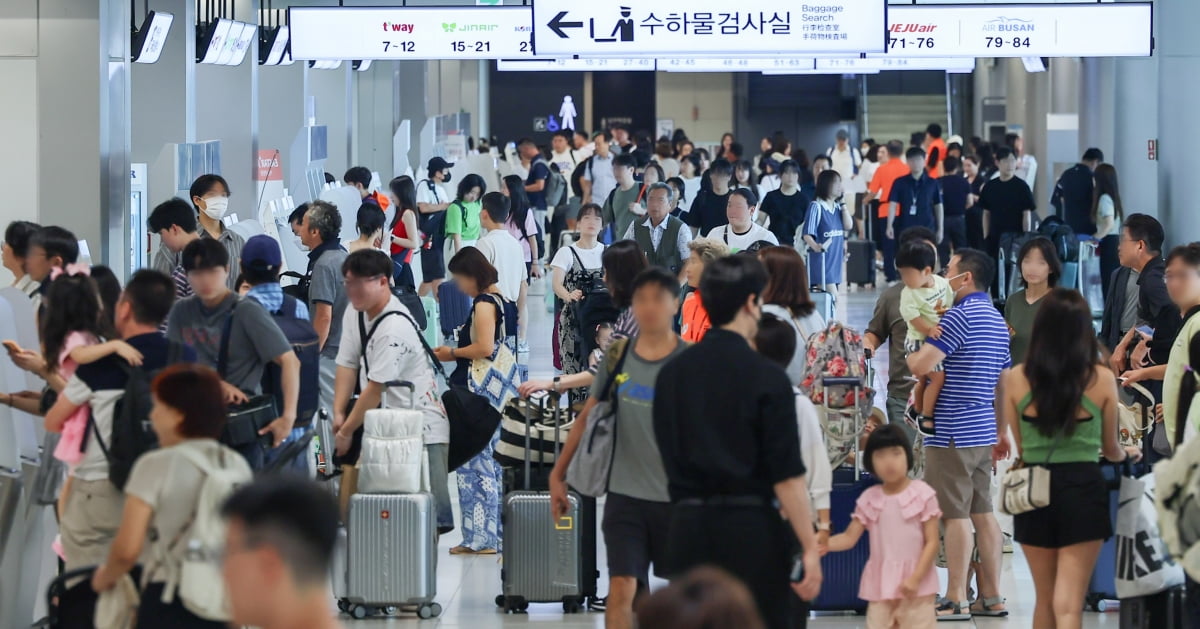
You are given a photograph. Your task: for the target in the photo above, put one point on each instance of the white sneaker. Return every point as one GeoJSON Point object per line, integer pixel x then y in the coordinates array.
{"type": "Point", "coordinates": [523, 347]}
{"type": "Point", "coordinates": [1008, 544]}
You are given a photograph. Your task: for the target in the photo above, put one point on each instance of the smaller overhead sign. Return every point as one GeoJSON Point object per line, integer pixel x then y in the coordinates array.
{"type": "Point", "coordinates": [338, 33]}
{"type": "Point", "coordinates": [589, 64]}
{"type": "Point", "coordinates": [1002, 30]}
{"type": "Point", "coordinates": [734, 64]}
{"type": "Point", "coordinates": [708, 27]}
{"type": "Point", "coordinates": [890, 62]}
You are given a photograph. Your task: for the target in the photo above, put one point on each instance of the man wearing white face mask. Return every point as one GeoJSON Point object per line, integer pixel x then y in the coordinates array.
{"type": "Point", "coordinates": [210, 196]}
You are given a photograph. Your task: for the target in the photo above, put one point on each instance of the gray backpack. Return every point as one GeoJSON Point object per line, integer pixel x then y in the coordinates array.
{"type": "Point", "coordinates": [556, 188]}
{"type": "Point", "coordinates": [591, 466]}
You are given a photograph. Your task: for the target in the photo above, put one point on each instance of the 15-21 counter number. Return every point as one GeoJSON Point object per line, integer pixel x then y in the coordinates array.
{"type": "Point", "coordinates": [1015, 42]}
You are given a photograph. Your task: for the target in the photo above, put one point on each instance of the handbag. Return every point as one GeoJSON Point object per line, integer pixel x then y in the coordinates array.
{"type": "Point", "coordinates": [1136, 418]}
{"type": "Point", "coordinates": [245, 420]}
{"type": "Point", "coordinates": [528, 424]}
{"type": "Point", "coordinates": [496, 378]}
{"type": "Point", "coordinates": [1144, 560]}
{"type": "Point", "coordinates": [51, 472]}
{"type": "Point", "coordinates": [591, 467]}
{"type": "Point", "coordinates": [473, 419]}
{"type": "Point", "coordinates": [1025, 487]}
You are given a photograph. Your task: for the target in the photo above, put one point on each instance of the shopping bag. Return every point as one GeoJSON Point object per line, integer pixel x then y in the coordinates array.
{"type": "Point", "coordinates": [1144, 566]}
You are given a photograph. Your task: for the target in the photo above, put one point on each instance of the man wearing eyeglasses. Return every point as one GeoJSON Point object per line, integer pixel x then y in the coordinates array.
{"type": "Point", "coordinates": [380, 344]}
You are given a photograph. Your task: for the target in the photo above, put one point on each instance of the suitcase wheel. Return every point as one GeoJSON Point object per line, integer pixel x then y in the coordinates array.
{"type": "Point", "coordinates": [572, 606]}
{"type": "Point", "coordinates": [343, 605]}
{"type": "Point", "coordinates": [432, 610]}
{"type": "Point", "coordinates": [359, 612]}
{"type": "Point", "coordinates": [515, 604]}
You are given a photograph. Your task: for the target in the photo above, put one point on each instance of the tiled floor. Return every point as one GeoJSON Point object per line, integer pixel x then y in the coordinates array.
{"type": "Point", "coordinates": [467, 586]}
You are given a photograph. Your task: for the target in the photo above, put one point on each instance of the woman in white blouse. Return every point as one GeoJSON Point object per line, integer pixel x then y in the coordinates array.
{"type": "Point", "coordinates": [1107, 213]}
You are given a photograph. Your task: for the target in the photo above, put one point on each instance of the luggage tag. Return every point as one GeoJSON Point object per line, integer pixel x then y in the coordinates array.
{"type": "Point", "coordinates": [912, 210]}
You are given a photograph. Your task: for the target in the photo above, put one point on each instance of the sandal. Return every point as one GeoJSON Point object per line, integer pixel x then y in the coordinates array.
{"type": "Point", "coordinates": [948, 610]}
{"type": "Point", "coordinates": [466, 550]}
{"type": "Point", "coordinates": [985, 605]}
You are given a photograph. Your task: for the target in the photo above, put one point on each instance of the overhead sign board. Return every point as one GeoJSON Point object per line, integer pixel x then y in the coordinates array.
{"type": "Point", "coordinates": [589, 64]}
{"type": "Point", "coordinates": [1003, 30]}
{"type": "Point", "coordinates": [329, 33]}
{"type": "Point", "coordinates": [615, 28]}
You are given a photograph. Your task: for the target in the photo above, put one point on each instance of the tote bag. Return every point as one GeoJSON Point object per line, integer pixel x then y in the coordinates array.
{"type": "Point", "coordinates": [1144, 565]}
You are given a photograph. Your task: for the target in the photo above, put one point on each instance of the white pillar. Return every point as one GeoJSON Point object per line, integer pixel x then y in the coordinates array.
{"type": "Point", "coordinates": [1179, 126]}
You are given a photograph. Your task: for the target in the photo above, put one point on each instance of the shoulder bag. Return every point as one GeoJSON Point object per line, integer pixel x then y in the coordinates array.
{"type": "Point", "coordinates": [591, 467]}
{"type": "Point", "coordinates": [473, 420]}
{"type": "Point", "coordinates": [1025, 487]}
{"type": "Point", "coordinates": [244, 420]}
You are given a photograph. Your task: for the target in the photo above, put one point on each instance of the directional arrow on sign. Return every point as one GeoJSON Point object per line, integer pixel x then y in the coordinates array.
{"type": "Point", "coordinates": [557, 24]}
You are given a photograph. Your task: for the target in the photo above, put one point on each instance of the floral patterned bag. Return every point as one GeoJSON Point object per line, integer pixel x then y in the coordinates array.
{"type": "Point", "coordinates": [837, 351]}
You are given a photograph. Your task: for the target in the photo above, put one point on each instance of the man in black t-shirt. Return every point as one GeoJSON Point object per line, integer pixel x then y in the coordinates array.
{"type": "Point", "coordinates": [955, 190]}
{"type": "Point", "coordinates": [1072, 198]}
{"type": "Point", "coordinates": [708, 210]}
{"type": "Point", "coordinates": [1007, 202]}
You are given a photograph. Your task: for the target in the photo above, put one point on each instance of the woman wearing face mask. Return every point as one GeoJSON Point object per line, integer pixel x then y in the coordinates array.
{"type": "Point", "coordinates": [405, 239]}
{"type": "Point", "coordinates": [210, 196]}
{"type": "Point", "coordinates": [786, 206]}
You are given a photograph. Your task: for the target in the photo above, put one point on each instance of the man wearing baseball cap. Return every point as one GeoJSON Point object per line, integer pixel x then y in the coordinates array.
{"type": "Point", "coordinates": [262, 261]}
{"type": "Point", "coordinates": [432, 201]}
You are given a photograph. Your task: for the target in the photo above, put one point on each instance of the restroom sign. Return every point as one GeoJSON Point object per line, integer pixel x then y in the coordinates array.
{"type": "Point", "coordinates": [708, 27]}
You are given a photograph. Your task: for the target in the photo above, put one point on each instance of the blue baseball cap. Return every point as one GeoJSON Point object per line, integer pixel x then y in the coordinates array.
{"type": "Point", "coordinates": [262, 250]}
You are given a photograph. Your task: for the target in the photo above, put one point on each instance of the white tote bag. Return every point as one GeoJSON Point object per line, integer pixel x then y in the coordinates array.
{"type": "Point", "coordinates": [1144, 565]}
{"type": "Point", "coordinates": [393, 457]}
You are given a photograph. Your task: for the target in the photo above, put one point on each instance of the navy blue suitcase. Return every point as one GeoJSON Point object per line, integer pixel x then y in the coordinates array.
{"type": "Point", "coordinates": [1102, 588]}
{"type": "Point", "coordinates": [454, 306]}
{"type": "Point", "coordinates": [843, 571]}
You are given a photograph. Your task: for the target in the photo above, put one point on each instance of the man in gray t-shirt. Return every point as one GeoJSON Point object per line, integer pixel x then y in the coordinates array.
{"type": "Point", "coordinates": [637, 511]}
{"type": "Point", "coordinates": [327, 301]}
{"type": "Point", "coordinates": [254, 338]}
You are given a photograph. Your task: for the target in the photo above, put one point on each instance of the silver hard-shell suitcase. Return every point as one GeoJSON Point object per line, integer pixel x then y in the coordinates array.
{"type": "Point", "coordinates": [542, 556]}
{"type": "Point", "coordinates": [391, 555]}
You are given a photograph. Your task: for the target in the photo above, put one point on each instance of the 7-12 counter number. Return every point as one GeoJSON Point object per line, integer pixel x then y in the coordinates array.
{"type": "Point", "coordinates": [1000, 42]}
{"type": "Point", "coordinates": [399, 46]}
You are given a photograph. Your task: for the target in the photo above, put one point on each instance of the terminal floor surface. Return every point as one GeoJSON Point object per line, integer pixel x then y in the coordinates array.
{"type": "Point", "coordinates": [468, 585]}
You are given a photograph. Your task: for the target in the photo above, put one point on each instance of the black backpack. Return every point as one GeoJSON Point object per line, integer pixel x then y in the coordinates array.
{"type": "Point", "coordinates": [132, 435]}
{"type": "Point", "coordinates": [307, 346]}
{"type": "Point", "coordinates": [595, 308]}
{"type": "Point", "coordinates": [1063, 237]}
{"type": "Point", "coordinates": [577, 176]}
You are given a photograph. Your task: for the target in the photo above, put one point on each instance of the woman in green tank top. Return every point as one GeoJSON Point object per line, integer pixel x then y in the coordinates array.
{"type": "Point", "coordinates": [1062, 407]}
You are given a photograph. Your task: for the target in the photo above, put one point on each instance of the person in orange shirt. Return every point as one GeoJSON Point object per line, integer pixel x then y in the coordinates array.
{"type": "Point", "coordinates": [694, 320]}
{"type": "Point", "coordinates": [360, 178]}
{"type": "Point", "coordinates": [879, 190]}
{"type": "Point", "coordinates": [935, 150]}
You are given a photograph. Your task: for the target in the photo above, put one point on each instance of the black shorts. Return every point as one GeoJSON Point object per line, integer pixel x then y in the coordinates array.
{"type": "Point", "coordinates": [635, 533]}
{"type": "Point", "coordinates": [1078, 510]}
{"type": "Point", "coordinates": [433, 263]}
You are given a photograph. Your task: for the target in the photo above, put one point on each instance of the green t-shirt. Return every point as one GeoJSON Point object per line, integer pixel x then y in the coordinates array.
{"type": "Point", "coordinates": [469, 229]}
{"type": "Point", "coordinates": [1019, 314]}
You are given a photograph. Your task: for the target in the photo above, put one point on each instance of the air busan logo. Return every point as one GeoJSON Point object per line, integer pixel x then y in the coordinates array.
{"type": "Point", "coordinates": [1008, 25]}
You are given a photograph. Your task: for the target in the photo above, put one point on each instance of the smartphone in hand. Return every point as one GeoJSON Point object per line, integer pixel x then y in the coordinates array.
{"type": "Point", "coordinates": [11, 346]}
{"type": "Point", "coordinates": [797, 573]}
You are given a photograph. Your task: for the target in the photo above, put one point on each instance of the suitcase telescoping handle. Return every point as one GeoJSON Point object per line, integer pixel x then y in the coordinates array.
{"type": "Point", "coordinates": [401, 384]}
{"type": "Point", "coordinates": [855, 383]}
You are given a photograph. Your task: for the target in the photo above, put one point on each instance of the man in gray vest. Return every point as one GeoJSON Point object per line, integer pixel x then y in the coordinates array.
{"type": "Point", "coordinates": [662, 237]}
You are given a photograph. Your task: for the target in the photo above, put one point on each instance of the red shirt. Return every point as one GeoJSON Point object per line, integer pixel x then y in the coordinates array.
{"type": "Point", "coordinates": [885, 176]}
{"type": "Point", "coordinates": [695, 318]}
{"type": "Point", "coordinates": [935, 167]}
{"type": "Point", "coordinates": [400, 231]}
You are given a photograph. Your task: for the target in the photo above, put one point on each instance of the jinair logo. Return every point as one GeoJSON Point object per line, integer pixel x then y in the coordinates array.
{"type": "Point", "coordinates": [454, 27]}
{"type": "Point", "coordinates": [1008, 25]}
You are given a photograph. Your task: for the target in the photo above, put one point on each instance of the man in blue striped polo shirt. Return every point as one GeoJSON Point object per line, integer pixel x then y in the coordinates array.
{"type": "Point", "coordinates": [973, 348]}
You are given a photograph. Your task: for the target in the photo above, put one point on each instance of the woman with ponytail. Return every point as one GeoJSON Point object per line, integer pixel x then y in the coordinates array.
{"type": "Point", "coordinates": [1179, 383]}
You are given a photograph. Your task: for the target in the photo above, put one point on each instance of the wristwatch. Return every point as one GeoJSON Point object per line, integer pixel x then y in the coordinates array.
{"type": "Point", "coordinates": [452, 356]}
{"type": "Point", "coordinates": [824, 526]}
{"type": "Point", "coordinates": [554, 385]}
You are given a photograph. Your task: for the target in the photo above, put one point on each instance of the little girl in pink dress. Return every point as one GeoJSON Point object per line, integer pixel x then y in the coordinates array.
{"type": "Point", "coordinates": [898, 583]}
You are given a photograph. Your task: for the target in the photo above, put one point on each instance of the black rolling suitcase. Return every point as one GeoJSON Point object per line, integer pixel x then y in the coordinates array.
{"type": "Point", "coordinates": [860, 268]}
{"type": "Point", "coordinates": [1165, 610]}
